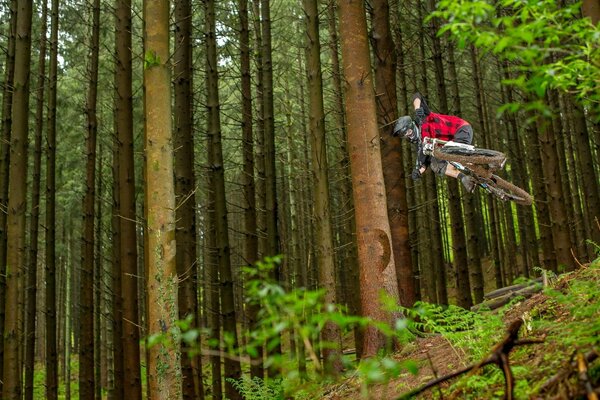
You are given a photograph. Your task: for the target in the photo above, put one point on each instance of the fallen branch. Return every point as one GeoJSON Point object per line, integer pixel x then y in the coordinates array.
{"type": "Point", "coordinates": [497, 302]}
{"type": "Point", "coordinates": [512, 288]}
{"type": "Point", "coordinates": [498, 356]}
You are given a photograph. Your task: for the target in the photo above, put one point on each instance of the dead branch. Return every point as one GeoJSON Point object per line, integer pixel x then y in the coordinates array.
{"type": "Point", "coordinates": [498, 355]}
{"type": "Point", "coordinates": [512, 288]}
{"type": "Point", "coordinates": [566, 372]}
{"type": "Point", "coordinates": [497, 302]}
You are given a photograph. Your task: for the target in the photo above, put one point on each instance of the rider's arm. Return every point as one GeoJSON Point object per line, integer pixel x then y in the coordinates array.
{"type": "Point", "coordinates": [421, 108]}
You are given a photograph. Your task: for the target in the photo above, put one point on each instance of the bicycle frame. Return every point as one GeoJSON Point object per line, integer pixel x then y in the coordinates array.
{"type": "Point", "coordinates": [429, 145]}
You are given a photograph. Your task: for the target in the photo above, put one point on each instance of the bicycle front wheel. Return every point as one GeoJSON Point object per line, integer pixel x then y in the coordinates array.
{"type": "Point", "coordinates": [507, 191]}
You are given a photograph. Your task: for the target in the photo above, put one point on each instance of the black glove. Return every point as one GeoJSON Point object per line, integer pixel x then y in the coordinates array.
{"type": "Point", "coordinates": [416, 174]}
{"type": "Point", "coordinates": [420, 115]}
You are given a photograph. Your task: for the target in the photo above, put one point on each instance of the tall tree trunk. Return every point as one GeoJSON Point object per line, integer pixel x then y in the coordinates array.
{"type": "Point", "coordinates": [164, 364]}
{"type": "Point", "coordinates": [516, 155]}
{"type": "Point", "coordinates": [35, 212]}
{"type": "Point", "coordinates": [391, 150]}
{"type": "Point", "coordinates": [376, 264]}
{"type": "Point", "coordinates": [232, 367]}
{"type": "Point", "coordinates": [591, 9]}
{"type": "Point", "coordinates": [124, 127]}
{"type": "Point", "coordinates": [250, 217]}
{"type": "Point", "coordinates": [590, 177]}
{"type": "Point", "coordinates": [541, 203]}
{"type": "Point", "coordinates": [347, 258]}
{"type": "Point", "coordinates": [99, 300]}
{"type": "Point", "coordinates": [185, 187]}
{"type": "Point", "coordinates": [459, 245]}
{"type": "Point", "coordinates": [269, 121]}
{"type": "Point", "coordinates": [51, 304]}
{"type": "Point", "coordinates": [553, 187]}
{"type": "Point", "coordinates": [7, 100]}
{"type": "Point", "coordinates": [319, 164]}
{"type": "Point", "coordinates": [431, 193]}
{"type": "Point", "coordinates": [116, 390]}
{"type": "Point", "coordinates": [86, 293]}
{"type": "Point", "coordinates": [471, 214]}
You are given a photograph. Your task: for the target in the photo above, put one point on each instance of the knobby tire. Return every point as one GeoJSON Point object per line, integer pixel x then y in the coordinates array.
{"type": "Point", "coordinates": [514, 193]}
{"type": "Point", "coordinates": [464, 156]}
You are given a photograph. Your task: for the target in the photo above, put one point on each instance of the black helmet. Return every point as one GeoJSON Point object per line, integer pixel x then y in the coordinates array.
{"type": "Point", "coordinates": [406, 127]}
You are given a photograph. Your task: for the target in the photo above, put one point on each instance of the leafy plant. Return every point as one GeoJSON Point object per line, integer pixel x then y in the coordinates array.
{"type": "Point", "coordinates": [258, 389]}
{"type": "Point", "coordinates": [547, 44]}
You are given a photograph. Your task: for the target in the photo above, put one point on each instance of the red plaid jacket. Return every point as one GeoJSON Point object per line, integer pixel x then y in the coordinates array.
{"type": "Point", "coordinates": [440, 126]}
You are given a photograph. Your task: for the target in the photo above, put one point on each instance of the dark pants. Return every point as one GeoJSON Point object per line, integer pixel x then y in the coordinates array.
{"type": "Point", "coordinates": [464, 135]}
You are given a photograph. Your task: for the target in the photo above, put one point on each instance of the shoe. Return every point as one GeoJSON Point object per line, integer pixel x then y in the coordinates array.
{"type": "Point", "coordinates": [468, 183]}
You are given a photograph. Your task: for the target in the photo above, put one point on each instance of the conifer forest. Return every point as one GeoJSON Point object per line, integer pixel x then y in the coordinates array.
{"type": "Point", "coordinates": [210, 200]}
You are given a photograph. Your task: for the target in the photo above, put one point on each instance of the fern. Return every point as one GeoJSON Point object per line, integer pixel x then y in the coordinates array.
{"type": "Point", "coordinates": [258, 389]}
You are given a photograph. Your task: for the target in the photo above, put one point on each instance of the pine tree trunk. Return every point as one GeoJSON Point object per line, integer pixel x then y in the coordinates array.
{"type": "Point", "coordinates": [32, 270]}
{"type": "Point", "coordinates": [391, 154]}
{"type": "Point", "coordinates": [454, 201]}
{"type": "Point", "coordinates": [541, 203]}
{"type": "Point", "coordinates": [129, 252]}
{"type": "Point", "coordinates": [322, 214]}
{"type": "Point", "coordinates": [269, 121]}
{"type": "Point", "coordinates": [553, 188]}
{"type": "Point", "coordinates": [86, 332]}
{"type": "Point", "coordinates": [516, 155]}
{"type": "Point", "coordinates": [376, 263]}
{"type": "Point", "coordinates": [471, 214]}
{"type": "Point", "coordinates": [591, 9]}
{"type": "Point", "coordinates": [232, 367]}
{"type": "Point", "coordinates": [116, 390]}
{"type": "Point", "coordinates": [185, 187]}
{"type": "Point", "coordinates": [7, 100]}
{"type": "Point", "coordinates": [164, 362]}
{"type": "Point", "coordinates": [347, 258]}
{"type": "Point", "coordinates": [250, 211]}
{"type": "Point", "coordinates": [50, 239]}
{"type": "Point", "coordinates": [590, 177]}
{"type": "Point", "coordinates": [431, 193]}
{"type": "Point", "coordinates": [99, 301]}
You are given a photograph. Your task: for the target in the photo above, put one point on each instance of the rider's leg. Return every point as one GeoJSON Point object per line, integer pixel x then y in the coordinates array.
{"type": "Point", "coordinates": [468, 182]}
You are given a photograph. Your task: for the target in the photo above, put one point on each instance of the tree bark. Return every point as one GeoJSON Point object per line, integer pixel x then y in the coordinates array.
{"type": "Point", "coordinates": [164, 362]}
{"type": "Point", "coordinates": [376, 264]}
{"type": "Point", "coordinates": [591, 9]}
{"type": "Point", "coordinates": [7, 100]}
{"type": "Point", "coordinates": [459, 245]}
{"type": "Point", "coordinates": [32, 263]}
{"type": "Point", "coordinates": [51, 304]}
{"type": "Point", "coordinates": [17, 202]}
{"type": "Point", "coordinates": [391, 154]}
{"type": "Point", "coordinates": [272, 238]}
{"type": "Point", "coordinates": [130, 357]}
{"type": "Point", "coordinates": [86, 288]}
{"type": "Point", "coordinates": [250, 210]}
{"type": "Point", "coordinates": [185, 189]}
{"type": "Point", "coordinates": [322, 215]}
{"type": "Point", "coordinates": [217, 170]}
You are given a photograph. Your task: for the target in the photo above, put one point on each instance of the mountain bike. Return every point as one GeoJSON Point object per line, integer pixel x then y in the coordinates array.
{"type": "Point", "coordinates": [480, 164]}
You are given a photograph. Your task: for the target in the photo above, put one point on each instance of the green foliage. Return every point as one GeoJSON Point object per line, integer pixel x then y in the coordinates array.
{"type": "Point", "coordinates": [548, 45]}
{"type": "Point", "coordinates": [570, 320]}
{"type": "Point", "coordinates": [259, 389]}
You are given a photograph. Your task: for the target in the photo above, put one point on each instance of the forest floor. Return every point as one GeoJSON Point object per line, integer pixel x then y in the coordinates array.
{"type": "Point", "coordinates": [565, 321]}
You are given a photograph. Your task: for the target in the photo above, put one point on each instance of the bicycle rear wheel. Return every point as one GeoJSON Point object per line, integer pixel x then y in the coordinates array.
{"type": "Point", "coordinates": [493, 158]}
{"type": "Point", "coordinates": [507, 191]}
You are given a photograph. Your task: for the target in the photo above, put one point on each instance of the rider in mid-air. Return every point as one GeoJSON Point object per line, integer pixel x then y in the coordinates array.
{"type": "Point", "coordinates": [439, 126]}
